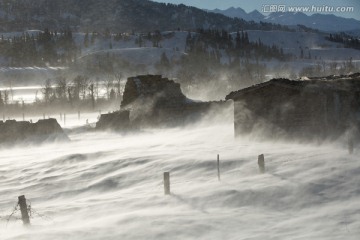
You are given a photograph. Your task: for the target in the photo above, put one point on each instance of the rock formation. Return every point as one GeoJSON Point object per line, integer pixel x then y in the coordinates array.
{"type": "Point", "coordinates": [119, 121]}
{"type": "Point", "coordinates": [45, 130]}
{"type": "Point", "coordinates": [153, 101]}
{"type": "Point", "coordinates": [316, 108]}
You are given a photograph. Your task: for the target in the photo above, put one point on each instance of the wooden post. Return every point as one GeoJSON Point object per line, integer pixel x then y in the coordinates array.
{"type": "Point", "coordinates": [43, 115]}
{"type": "Point", "coordinates": [351, 146]}
{"type": "Point", "coordinates": [261, 163]}
{"type": "Point", "coordinates": [218, 166]}
{"type": "Point", "coordinates": [79, 115]}
{"type": "Point", "coordinates": [23, 116]}
{"type": "Point", "coordinates": [24, 210]}
{"type": "Point", "coordinates": [4, 117]}
{"type": "Point", "coordinates": [167, 183]}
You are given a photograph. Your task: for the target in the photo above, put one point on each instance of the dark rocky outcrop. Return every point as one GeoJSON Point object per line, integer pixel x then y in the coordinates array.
{"type": "Point", "coordinates": [119, 121]}
{"type": "Point", "coordinates": [154, 89]}
{"type": "Point", "coordinates": [153, 101]}
{"type": "Point", "coordinates": [156, 101]}
{"type": "Point", "coordinates": [45, 130]}
{"type": "Point", "coordinates": [316, 108]}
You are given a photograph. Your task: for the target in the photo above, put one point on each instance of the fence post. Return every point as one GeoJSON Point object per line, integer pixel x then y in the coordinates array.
{"type": "Point", "coordinates": [78, 115]}
{"type": "Point", "coordinates": [24, 210]}
{"type": "Point", "coordinates": [167, 183]}
{"type": "Point", "coordinates": [23, 116]}
{"type": "Point", "coordinates": [261, 163]}
{"type": "Point", "coordinates": [218, 166]}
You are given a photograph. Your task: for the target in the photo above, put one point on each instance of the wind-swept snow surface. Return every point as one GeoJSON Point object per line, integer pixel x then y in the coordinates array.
{"type": "Point", "coordinates": [109, 186]}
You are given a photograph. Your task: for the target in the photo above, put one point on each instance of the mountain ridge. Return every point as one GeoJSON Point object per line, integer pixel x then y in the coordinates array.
{"type": "Point", "coordinates": [322, 22]}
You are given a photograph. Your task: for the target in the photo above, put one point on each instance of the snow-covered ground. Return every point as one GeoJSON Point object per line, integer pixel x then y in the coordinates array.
{"type": "Point", "coordinates": [109, 186]}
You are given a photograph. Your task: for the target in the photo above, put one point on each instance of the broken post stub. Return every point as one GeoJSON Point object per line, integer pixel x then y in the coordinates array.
{"type": "Point", "coordinates": [24, 210]}
{"type": "Point", "coordinates": [218, 166]}
{"type": "Point", "coordinates": [167, 183]}
{"type": "Point", "coordinates": [261, 163]}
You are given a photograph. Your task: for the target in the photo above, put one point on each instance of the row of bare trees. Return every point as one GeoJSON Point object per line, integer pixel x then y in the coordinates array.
{"type": "Point", "coordinates": [82, 89]}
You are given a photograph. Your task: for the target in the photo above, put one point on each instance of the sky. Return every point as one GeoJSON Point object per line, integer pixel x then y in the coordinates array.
{"type": "Point", "coordinates": [251, 5]}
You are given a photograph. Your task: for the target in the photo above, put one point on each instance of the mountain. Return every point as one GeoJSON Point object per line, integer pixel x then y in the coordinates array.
{"type": "Point", "coordinates": [240, 13]}
{"type": "Point", "coordinates": [255, 16]}
{"type": "Point", "coordinates": [232, 12]}
{"type": "Point", "coordinates": [323, 22]}
{"type": "Point", "coordinates": [115, 15]}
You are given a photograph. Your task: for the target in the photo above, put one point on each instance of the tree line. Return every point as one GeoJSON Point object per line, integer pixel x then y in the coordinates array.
{"type": "Point", "coordinates": [40, 49]}
{"type": "Point", "coordinates": [347, 40]}
{"type": "Point", "coordinates": [80, 92]}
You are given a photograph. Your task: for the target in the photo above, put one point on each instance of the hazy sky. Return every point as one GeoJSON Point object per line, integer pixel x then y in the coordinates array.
{"type": "Point", "coordinates": [250, 5]}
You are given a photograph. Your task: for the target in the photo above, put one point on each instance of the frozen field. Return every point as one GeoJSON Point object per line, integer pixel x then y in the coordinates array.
{"type": "Point", "coordinates": [109, 186]}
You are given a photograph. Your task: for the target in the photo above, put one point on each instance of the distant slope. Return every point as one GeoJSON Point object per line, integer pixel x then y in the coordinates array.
{"type": "Point", "coordinates": [129, 50]}
{"type": "Point", "coordinates": [115, 15]}
{"type": "Point", "coordinates": [311, 44]}
{"type": "Point", "coordinates": [323, 22]}
{"type": "Point", "coordinates": [314, 44]}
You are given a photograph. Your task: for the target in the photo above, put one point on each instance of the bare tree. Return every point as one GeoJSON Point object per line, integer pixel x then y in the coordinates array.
{"type": "Point", "coordinates": [92, 94]}
{"type": "Point", "coordinates": [118, 76]}
{"type": "Point", "coordinates": [70, 90]}
{"type": "Point", "coordinates": [84, 86]}
{"type": "Point", "coordinates": [1, 100]}
{"type": "Point", "coordinates": [80, 85]}
{"type": "Point", "coordinates": [47, 91]}
{"type": "Point", "coordinates": [108, 85]}
{"type": "Point", "coordinates": [6, 97]}
{"type": "Point", "coordinates": [11, 92]}
{"type": "Point", "coordinates": [96, 89]}
{"type": "Point", "coordinates": [61, 88]}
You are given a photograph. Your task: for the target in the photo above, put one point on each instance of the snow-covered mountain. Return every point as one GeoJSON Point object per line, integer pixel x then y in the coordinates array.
{"type": "Point", "coordinates": [240, 13]}
{"type": "Point", "coordinates": [323, 22]}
